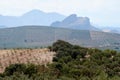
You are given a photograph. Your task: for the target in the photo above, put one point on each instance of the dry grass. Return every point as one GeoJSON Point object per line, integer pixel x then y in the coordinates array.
{"type": "Point", "coordinates": [34, 56]}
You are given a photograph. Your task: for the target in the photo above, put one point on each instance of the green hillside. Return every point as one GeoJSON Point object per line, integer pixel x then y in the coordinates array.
{"type": "Point", "coordinates": [41, 36]}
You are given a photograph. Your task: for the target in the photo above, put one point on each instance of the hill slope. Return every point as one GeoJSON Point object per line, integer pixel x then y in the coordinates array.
{"type": "Point", "coordinates": [37, 36]}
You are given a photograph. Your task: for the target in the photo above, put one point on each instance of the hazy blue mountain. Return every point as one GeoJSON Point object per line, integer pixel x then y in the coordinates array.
{"type": "Point", "coordinates": [2, 26]}
{"type": "Point", "coordinates": [40, 36]}
{"type": "Point", "coordinates": [74, 22]}
{"type": "Point", "coordinates": [34, 17]}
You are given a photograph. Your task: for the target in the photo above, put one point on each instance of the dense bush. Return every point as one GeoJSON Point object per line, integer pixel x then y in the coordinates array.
{"type": "Point", "coordinates": [79, 62]}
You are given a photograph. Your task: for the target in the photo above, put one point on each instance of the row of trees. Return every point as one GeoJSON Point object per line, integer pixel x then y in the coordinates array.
{"type": "Point", "coordinates": [71, 62]}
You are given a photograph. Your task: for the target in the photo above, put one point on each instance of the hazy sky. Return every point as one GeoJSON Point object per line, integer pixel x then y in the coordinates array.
{"type": "Point", "coordinates": [101, 12]}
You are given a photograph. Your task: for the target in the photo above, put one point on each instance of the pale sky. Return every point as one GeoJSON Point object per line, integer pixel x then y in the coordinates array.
{"type": "Point", "coordinates": [101, 12]}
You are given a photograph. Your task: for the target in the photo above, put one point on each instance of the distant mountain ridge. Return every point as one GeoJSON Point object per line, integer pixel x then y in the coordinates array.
{"type": "Point", "coordinates": [74, 22]}
{"type": "Point", "coordinates": [37, 17]}
{"type": "Point", "coordinates": [34, 17]}
{"type": "Point", "coordinates": [40, 36]}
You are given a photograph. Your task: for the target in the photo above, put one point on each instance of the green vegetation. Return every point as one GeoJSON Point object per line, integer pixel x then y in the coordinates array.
{"type": "Point", "coordinates": [71, 62]}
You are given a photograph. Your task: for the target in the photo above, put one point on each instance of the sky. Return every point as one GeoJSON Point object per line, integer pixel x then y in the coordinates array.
{"type": "Point", "coordinates": [101, 12]}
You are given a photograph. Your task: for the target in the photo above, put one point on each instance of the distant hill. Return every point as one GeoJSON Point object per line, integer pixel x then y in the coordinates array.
{"type": "Point", "coordinates": [111, 29]}
{"type": "Point", "coordinates": [34, 17]}
{"type": "Point", "coordinates": [74, 22]}
{"type": "Point", "coordinates": [1, 26]}
{"type": "Point", "coordinates": [41, 36]}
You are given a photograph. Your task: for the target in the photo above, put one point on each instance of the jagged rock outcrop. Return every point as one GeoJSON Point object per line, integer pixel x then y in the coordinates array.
{"type": "Point", "coordinates": [74, 22]}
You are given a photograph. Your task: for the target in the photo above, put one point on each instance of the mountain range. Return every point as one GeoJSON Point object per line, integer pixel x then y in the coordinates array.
{"type": "Point", "coordinates": [37, 17]}
{"type": "Point", "coordinates": [34, 17]}
{"type": "Point", "coordinates": [41, 36]}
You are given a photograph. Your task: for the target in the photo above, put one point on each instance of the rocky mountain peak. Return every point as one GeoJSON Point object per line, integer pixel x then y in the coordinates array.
{"type": "Point", "coordinates": [74, 22]}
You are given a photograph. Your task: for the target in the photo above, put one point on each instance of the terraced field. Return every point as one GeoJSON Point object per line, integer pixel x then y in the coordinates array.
{"type": "Point", "coordinates": [34, 56]}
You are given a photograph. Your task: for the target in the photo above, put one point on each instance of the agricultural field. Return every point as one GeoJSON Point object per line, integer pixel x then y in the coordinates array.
{"type": "Point", "coordinates": [25, 56]}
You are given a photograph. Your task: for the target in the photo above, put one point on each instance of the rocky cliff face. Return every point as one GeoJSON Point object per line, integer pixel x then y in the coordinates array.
{"type": "Point", "coordinates": [74, 22]}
